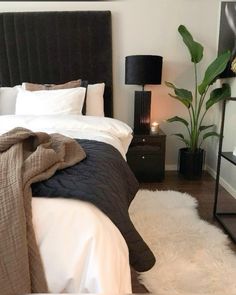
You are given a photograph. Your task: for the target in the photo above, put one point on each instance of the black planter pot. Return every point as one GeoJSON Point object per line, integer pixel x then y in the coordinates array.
{"type": "Point", "coordinates": [191, 163]}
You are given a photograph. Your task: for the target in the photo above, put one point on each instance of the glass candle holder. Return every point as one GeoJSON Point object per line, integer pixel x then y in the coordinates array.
{"type": "Point", "coordinates": [154, 127]}
{"type": "Point", "coordinates": [234, 152]}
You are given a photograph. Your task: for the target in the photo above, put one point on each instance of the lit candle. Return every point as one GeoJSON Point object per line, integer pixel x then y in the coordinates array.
{"type": "Point", "coordinates": [234, 151]}
{"type": "Point", "coordinates": [154, 127]}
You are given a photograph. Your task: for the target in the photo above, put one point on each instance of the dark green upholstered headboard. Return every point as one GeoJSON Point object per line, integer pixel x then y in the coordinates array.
{"type": "Point", "coordinates": [54, 47]}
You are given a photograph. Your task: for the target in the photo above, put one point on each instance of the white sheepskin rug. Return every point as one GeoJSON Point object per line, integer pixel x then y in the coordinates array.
{"type": "Point", "coordinates": [192, 255]}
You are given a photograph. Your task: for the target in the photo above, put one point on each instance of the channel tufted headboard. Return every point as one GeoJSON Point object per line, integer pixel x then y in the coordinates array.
{"type": "Point", "coordinates": [54, 47]}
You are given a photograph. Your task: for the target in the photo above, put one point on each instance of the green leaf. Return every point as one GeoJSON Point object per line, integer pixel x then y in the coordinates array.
{"type": "Point", "coordinates": [213, 70]}
{"type": "Point", "coordinates": [204, 127]}
{"type": "Point", "coordinates": [218, 94]}
{"type": "Point", "coordinates": [185, 102]}
{"type": "Point", "coordinates": [183, 95]}
{"type": "Point", "coordinates": [169, 84]}
{"type": "Point", "coordinates": [182, 138]}
{"type": "Point", "coordinates": [209, 134]}
{"type": "Point", "coordinates": [195, 48]}
{"type": "Point", "coordinates": [178, 119]}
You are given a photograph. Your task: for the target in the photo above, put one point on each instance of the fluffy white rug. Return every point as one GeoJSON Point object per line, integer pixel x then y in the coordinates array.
{"type": "Point", "coordinates": [193, 256]}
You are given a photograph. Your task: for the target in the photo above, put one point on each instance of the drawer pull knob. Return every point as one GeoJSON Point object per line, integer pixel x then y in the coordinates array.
{"type": "Point", "coordinates": [143, 139]}
{"type": "Point", "coordinates": [143, 157]}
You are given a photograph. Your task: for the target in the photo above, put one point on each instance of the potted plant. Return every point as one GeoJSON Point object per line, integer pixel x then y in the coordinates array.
{"type": "Point", "coordinates": [198, 103]}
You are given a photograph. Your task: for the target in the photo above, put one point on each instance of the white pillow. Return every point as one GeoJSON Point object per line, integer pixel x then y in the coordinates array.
{"type": "Point", "coordinates": [95, 100]}
{"type": "Point", "coordinates": [50, 102]}
{"type": "Point", "coordinates": [8, 99]}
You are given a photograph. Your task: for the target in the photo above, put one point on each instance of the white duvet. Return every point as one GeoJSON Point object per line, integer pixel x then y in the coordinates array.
{"type": "Point", "coordinates": [103, 129]}
{"type": "Point", "coordinates": [81, 249]}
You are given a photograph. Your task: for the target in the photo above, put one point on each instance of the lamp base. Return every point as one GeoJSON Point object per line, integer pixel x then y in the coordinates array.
{"type": "Point", "coordinates": [142, 109]}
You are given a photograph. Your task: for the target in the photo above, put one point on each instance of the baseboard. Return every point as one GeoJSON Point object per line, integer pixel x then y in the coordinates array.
{"type": "Point", "coordinates": [211, 171]}
{"type": "Point", "coordinates": [174, 168]}
{"type": "Point", "coordinates": [223, 182]}
{"type": "Point", "coordinates": [171, 167]}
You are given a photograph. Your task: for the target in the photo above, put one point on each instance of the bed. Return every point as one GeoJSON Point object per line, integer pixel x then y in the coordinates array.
{"type": "Point", "coordinates": [74, 231]}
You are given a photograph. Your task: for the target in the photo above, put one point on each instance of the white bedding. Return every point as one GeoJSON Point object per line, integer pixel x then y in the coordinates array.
{"type": "Point", "coordinates": [81, 249]}
{"type": "Point", "coordinates": [108, 130]}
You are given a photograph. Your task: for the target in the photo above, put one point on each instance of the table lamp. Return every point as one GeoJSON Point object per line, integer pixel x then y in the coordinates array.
{"type": "Point", "coordinates": [142, 70]}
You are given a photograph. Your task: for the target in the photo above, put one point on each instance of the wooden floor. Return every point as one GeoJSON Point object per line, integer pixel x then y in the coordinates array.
{"type": "Point", "coordinates": [203, 191]}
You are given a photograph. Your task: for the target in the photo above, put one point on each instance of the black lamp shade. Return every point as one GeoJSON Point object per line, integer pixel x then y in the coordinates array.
{"type": "Point", "coordinates": [143, 69]}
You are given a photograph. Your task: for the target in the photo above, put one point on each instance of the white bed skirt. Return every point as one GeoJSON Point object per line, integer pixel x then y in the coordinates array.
{"type": "Point", "coordinates": [81, 249]}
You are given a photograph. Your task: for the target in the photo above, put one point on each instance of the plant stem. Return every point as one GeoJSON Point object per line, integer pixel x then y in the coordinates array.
{"type": "Point", "coordinates": [199, 111]}
{"type": "Point", "coordinates": [192, 115]}
{"type": "Point", "coordinates": [201, 101]}
{"type": "Point", "coordinates": [189, 130]}
{"type": "Point", "coordinates": [194, 137]}
{"type": "Point", "coordinates": [195, 74]}
{"type": "Point", "coordinates": [202, 117]}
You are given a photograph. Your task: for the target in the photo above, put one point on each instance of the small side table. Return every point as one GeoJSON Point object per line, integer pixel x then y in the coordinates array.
{"type": "Point", "coordinates": [146, 156]}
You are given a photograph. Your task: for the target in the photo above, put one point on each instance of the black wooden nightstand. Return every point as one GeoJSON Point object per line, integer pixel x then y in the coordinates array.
{"type": "Point", "coordinates": [146, 156]}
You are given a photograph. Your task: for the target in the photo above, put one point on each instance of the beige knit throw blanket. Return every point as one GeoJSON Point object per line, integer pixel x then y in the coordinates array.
{"type": "Point", "coordinates": [26, 157]}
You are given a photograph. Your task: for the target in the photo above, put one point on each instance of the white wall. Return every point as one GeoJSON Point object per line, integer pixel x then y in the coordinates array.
{"type": "Point", "coordinates": [150, 27]}
{"type": "Point", "coordinates": [228, 171]}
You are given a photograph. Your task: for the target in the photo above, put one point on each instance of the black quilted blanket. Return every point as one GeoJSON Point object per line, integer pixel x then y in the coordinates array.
{"type": "Point", "coordinates": [104, 179]}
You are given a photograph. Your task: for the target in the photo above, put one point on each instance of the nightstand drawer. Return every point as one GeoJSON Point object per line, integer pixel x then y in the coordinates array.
{"type": "Point", "coordinates": [145, 140]}
{"type": "Point", "coordinates": [146, 156]}
{"type": "Point", "coordinates": [146, 166]}
{"type": "Point", "coordinates": [149, 149]}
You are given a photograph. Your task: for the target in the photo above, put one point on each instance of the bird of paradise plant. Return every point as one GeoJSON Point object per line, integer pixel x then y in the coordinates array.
{"type": "Point", "coordinates": [196, 101]}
